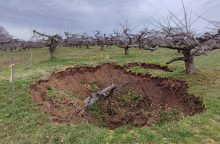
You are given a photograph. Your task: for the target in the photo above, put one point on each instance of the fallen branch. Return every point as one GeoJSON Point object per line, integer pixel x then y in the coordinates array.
{"type": "Point", "coordinates": [108, 91]}
{"type": "Point", "coordinates": [151, 49]}
{"type": "Point", "coordinates": [175, 59]}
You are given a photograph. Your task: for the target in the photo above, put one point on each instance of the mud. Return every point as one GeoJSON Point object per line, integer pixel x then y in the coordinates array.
{"type": "Point", "coordinates": [139, 99]}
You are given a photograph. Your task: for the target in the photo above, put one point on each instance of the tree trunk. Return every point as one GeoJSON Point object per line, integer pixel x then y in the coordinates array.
{"type": "Point", "coordinates": [108, 91]}
{"type": "Point", "coordinates": [189, 62]}
{"type": "Point", "coordinates": [140, 46]}
{"type": "Point", "coordinates": [51, 55]}
{"type": "Point", "coordinates": [52, 50]}
{"type": "Point", "coordinates": [102, 47]}
{"type": "Point", "coordinates": [126, 50]}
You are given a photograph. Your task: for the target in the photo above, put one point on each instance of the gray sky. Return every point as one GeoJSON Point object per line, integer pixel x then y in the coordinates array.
{"type": "Point", "coordinates": [20, 17]}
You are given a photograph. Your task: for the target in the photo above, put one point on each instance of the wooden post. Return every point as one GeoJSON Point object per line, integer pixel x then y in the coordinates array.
{"type": "Point", "coordinates": [107, 58]}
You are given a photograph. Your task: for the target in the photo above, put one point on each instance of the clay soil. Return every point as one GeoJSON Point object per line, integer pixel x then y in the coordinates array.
{"type": "Point", "coordinates": [138, 100]}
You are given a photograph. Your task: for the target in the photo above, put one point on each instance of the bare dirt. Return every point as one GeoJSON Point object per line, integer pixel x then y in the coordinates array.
{"type": "Point", "coordinates": [139, 99]}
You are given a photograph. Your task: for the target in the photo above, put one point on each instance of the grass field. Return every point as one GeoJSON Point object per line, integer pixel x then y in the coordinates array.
{"type": "Point", "coordinates": [25, 123]}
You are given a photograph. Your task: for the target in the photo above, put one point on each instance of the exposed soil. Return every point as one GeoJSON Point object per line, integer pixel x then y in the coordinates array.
{"type": "Point", "coordinates": [151, 66]}
{"type": "Point", "coordinates": [138, 100]}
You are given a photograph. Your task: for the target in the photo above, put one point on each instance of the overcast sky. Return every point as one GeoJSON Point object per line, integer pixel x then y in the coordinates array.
{"type": "Point", "coordinates": [20, 17]}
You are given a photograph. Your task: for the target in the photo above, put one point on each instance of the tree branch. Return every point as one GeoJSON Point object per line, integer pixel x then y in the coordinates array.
{"type": "Point", "coordinates": [89, 101]}
{"type": "Point", "coordinates": [175, 59]}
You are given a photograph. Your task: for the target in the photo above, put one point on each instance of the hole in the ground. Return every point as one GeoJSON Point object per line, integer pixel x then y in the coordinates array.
{"type": "Point", "coordinates": [138, 100]}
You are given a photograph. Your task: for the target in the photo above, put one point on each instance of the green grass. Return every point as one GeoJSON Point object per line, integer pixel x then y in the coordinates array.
{"type": "Point", "coordinates": [94, 110]}
{"type": "Point", "coordinates": [128, 97]}
{"type": "Point", "coordinates": [153, 72]}
{"type": "Point", "coordinates": [168, 116]}
{"type": "Point", "coordinates": [54, 94]}
{"type": "Point", "coordinates": [25, 123]}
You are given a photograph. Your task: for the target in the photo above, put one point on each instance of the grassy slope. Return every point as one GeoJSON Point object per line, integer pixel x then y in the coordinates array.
{"type": "Point", "coordinates": [26, 124]}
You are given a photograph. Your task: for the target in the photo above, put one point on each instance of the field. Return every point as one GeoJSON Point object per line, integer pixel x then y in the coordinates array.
{"type": "Point", "coordinates": [25, 123]}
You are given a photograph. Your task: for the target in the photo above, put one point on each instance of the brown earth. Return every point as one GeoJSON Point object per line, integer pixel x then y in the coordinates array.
{"type": "Point", "coordinates": [139, 99]}
{"type": "Point", "coordinates": [151, 66]}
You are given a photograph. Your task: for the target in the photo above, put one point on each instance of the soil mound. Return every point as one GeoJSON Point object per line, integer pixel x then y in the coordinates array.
{"type": "Point", "coordinates": [138, 100]}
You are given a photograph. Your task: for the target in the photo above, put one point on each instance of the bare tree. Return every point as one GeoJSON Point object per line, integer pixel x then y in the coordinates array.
{"type": "Point", "coordinates": [52, 41]}
{"type": "Point", "coordinates": [78, 40]}
{"type": "Point", "coordinates": [73, 39]}
{"type": "Point", "coordinates": [100, 40]}
{"type": "Point", "coordinates": [176, 34]}
{"type": "Point", "coordinates": [7, 42]}
{"type": "Point", "coordinates": [145, 37]}
{"type": "Point", "coordinates": [124, 39]}
{"type": "Point", "coordinates": [5, 37]}
{"type": "Point", "coordinates": [87, 40]}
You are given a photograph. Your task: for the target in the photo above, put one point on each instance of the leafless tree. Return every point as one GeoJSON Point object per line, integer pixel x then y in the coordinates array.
{"type": "Point", "coordinates": [144, 37]}
{"type": "Point", "coordinates": [27, 45]}
{"type": "Point", "coordinates": [73, 39]}
{"type": "Point", "coordinates": [52, 41]}
{"type": "Point", "coordinates": [100, 40]}
{"type": "Point", "coordinates": [88, 40]}
{"type": "Point", "coordinates": [7, 42]}
{"type": "Point", "coordinates": [176, 34]}
{"type": "Point", "coordinates": [5, 37]}
{"type": "Point", "coordinates": [78, 40]}
{"type": "Point", "coordinates": [124, 39]}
